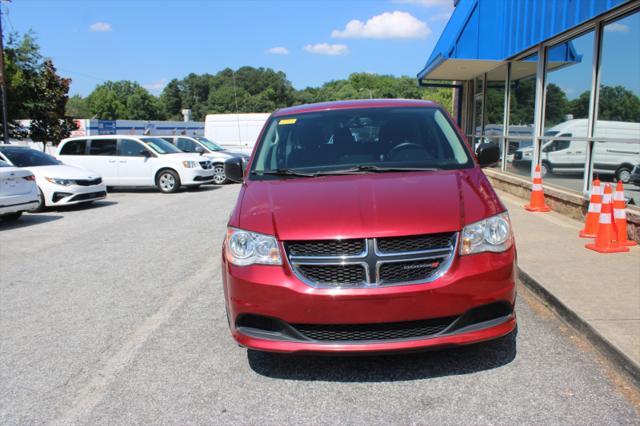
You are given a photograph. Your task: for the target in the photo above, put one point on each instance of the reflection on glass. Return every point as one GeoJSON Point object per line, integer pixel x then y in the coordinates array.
{"type": "Point", "coordinates": [523, 91]}
{"type": "Point", "coordinates": [569, 67]}
{"type": "Point", "coordinates": [619, 105]}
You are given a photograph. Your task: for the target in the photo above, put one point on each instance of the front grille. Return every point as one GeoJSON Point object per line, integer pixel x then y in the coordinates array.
{"type": "Point", "coordinates": [205, 165]}
{"type": "Point", "coordinates": [517, 155]}
{"type": "Point", "coordinates": [415, 243]}
{"type": "Point", "coordinates": [88, 182]}
{"type": "Point", "coordinates": [409, 271]}
{"type": "Point", "coordinates": [334, 275]}
{"type": "Point", "coordinates": [326, 248]}
{"type": "Point", "coordinates": [371, 262]}
{"type": "Point", "coordinates": [89, 196]}
{"type": "Point", "coordinates": [383, 331]}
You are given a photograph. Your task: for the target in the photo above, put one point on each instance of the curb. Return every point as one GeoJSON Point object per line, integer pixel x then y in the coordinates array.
{"type": "Point", "coordinates": [607, 348]}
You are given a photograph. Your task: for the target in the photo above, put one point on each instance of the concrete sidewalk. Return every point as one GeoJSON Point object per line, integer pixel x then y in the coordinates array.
{"type": "Point", "coordinates": [597, 293]}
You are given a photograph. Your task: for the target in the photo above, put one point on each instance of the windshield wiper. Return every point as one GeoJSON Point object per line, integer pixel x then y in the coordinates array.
{"type": "Point", "coordinates": [375, 169]}
{"type": "Point", "coordinates": [284, 172]}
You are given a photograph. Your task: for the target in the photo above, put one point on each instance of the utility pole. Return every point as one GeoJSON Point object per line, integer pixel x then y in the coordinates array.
{"type": "Point", "coordinates": [3, 87]}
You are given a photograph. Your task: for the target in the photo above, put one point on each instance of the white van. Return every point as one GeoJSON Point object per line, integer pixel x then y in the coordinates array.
{"type": "Point", "coordinates": [136, 161]}
{"type": "Point", "coordinates": [235, 132]}
{"type": "Point", "coordinates": [569, 156]}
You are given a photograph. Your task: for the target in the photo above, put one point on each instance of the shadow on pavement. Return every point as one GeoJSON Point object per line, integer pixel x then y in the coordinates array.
{"type": "Point", "coordinates": [82, 206]}
{"type": "Point", "coordinates": [28, 220]}
{"type": "Point", "coordinates": [387, 368]}
{"type": "Point", "coordinates": [150, 190]}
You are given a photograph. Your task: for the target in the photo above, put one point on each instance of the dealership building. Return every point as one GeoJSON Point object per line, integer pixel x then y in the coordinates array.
{"type": "Point", "coordinates": [554, 82]}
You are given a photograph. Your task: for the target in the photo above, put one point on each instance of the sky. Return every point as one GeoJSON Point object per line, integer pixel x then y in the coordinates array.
{"type": "Point", "coordinates": [152, 42]}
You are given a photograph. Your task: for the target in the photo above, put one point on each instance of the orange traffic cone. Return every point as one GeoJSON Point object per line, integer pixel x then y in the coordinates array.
{"type": "Point", "coordinates": [620, 217]}
{"type": "Point", "coordinates": [536, 203]}
{"type": "Point", "coordinates": [606, 239]}
{"type": "Point", "coordinates": [593, 215]}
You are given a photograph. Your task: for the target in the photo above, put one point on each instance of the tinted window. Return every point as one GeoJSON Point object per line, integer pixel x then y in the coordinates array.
{"type": "Point", "coordinates": [160, 145]}
{"type": "Point", "coordinates": [5, 164]}
{"type": "Point", "coordinates": [209, 144]}
{"type": "Point", "coordinates": [103, 147]}
{"type": "Point", "coordinates": [131, 148]}
{"type": "Point", "coordinates": [25, 157]}
{"type": "Point", "coordinates": [383, 137]}
{"type": "Point", "coordinates": [76, 147]}
{"type": "Point", "coordinates": [186, 145]}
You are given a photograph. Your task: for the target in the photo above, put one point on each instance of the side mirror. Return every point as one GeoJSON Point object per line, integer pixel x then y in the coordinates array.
{"type": "Point", "coordinates": [488, 154]}
{"type": "Point", "coordinates": [199, 150]}
{"type": "Point", "coordinates": [233, 169]}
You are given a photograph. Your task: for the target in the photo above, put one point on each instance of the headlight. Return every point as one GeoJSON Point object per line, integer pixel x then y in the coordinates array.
{"type": "Point", "coordinates": [248, 248]}
{"type": "Point", "coordinates": [190, 164]}
{"type": "Point", "coordinates": [63, 182]}
{"type": "Point", "coordinates": [492, 234]}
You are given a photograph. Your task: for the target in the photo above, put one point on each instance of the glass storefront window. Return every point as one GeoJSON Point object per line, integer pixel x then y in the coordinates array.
{"type": "Point", "coordinates": [494, 107]}
{"type": "Point", "coordinates": [566, 111]}
{"type": "Point", "coordinates": [619, 106]}
{"type": "Point", "coordinates": [521, 115]}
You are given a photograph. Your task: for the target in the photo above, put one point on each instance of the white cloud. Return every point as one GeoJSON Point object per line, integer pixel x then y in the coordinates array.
{"type": "Point", "coordinates": [387, 25]}
{"type": "Point", "coordinates": [156, 86]}
{"type": "Point", "coordinates": [616, 27]}
{"type": "Point", "coordinates": [100, 27]}
{"type": "Point", "coordinates": [327, 49]}
{"type": "Point", "coordinates": [278, 50]}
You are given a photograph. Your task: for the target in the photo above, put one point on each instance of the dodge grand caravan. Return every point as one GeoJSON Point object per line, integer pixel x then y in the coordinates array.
{"type": "Point", "coordinates": [367, 226]}
{"type": "Point", "coordinates": [136, 161]}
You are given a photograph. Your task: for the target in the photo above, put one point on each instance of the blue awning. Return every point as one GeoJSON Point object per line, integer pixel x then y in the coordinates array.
{"type": "Point", "coordinates": [483, 34]}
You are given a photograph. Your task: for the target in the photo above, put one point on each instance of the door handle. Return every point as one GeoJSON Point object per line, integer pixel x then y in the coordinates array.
{"type": "Point", "coordinates": [112, 161]}
{"type": "Point", "coordinates": [123, 161]}
{"type": "Point", "coordinates": [579, 152]}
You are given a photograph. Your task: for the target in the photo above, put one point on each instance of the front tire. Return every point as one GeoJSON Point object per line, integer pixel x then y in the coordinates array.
{"type": "Point", "coordinates": [168, 181]}
{"type": "Point", "coordinates": [545, 169]}
{"type": "Point", "coordinates": [219, 177]}
{"type": "Point", "coordinates": [10, 217]}
{"type": "Point", "coordinates": [623, 174]}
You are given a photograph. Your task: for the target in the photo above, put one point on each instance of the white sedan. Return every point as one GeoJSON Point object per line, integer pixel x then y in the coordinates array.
{"type": "Point", "coordinates": [58, 183]}
{"type": "Point", "coordinates": [18, 192]}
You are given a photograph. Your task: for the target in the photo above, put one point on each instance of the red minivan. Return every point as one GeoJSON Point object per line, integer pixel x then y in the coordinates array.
{"type": "Point", "coordinates": [367, 227]}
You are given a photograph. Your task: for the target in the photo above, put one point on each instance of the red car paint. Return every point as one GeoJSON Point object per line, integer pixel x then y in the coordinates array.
{"type": "Point", "coordinates": [368, 206]}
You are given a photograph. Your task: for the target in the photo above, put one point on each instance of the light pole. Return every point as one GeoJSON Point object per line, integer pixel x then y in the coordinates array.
{"type": "Point", "coordinates": [3, 87]}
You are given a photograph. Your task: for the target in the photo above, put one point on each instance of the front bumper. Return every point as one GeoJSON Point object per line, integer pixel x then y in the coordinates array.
{"type": "Point", "coordinates": [59, 195]}
{"type": "Point", "coordinates": [485, 279]}
{"type": "Point", "coordinates": [196, 176]}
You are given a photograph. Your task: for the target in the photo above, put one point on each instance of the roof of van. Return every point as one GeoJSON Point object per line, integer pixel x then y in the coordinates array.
{"type": "Point", "coordinates": [353, 104]}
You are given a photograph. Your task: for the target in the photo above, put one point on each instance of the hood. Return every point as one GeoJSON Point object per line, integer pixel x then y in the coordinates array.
{"type": "Point", "coordinates": [186, 156]}
{"type": "Point", "coordinates": [367, 205]}
{"type": "Point", "coordinates": [62, 171]}
{"type": "Point", "coordinates": [219, 155]}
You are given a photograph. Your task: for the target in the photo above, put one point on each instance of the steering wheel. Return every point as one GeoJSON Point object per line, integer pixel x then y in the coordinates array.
{"type": "Point", "coordinates": [404, 146]}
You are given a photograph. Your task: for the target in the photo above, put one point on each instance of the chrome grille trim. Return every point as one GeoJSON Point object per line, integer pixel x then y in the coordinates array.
{"type": "Point", "coordinates": [372, 260]}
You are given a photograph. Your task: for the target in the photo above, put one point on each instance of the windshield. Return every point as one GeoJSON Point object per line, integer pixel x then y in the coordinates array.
{"type": "Point", "coordinates": [160, 146]}
{"type": "Point", "coordinates": [212, 146]}
{"type": "Point", "coordinates": [359, 140]}
{"type": "Point", "coordinates": [26, 157]}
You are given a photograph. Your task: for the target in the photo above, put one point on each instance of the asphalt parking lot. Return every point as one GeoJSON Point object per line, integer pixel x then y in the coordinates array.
{"type": "Point", "coordinates": [113, 314]}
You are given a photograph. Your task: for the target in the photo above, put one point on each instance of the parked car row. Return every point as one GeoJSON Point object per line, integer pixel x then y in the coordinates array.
{"type": "Point", "coordinates": [84, 167]}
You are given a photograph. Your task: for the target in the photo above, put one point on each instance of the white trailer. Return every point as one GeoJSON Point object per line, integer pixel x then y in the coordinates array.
{"type": "Point", "coordinates": [236, 132]}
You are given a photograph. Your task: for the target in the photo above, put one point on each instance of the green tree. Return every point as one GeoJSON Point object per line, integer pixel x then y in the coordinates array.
{"type": "Point", "coordinates": [22, 64]}
{"type": "Point", "coordinates": [616, 103]}
{"type": "Point", "coordinates": [171, 101]}
{"type": "Point", "coordinates": [49, 121]}
{"type": "Point", "coordinates": [123, 100]}
{"type": "Point", "coordinates": [78, 107]}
